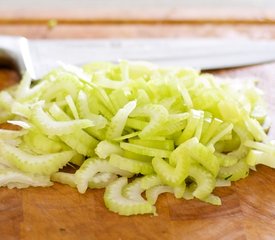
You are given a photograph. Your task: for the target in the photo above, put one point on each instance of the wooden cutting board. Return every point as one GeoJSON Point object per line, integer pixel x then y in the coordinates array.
{"type": "Point", "coordinates": [60, 212]}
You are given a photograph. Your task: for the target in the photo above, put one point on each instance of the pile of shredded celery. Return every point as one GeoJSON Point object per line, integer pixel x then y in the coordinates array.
{"type": "Point", "coordinates": [136, 130]}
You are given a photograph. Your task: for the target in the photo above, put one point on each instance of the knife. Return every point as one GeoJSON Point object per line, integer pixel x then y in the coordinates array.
{"type": "Point", "coordinates": [39, 56]}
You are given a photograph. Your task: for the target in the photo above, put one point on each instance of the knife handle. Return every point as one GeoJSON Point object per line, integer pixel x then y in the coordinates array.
{"type": "Point", "coordinates": [13, 52]}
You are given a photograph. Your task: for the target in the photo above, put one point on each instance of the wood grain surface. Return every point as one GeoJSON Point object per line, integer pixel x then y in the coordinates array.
{"type": "Point", "coordinates": [60, 212]}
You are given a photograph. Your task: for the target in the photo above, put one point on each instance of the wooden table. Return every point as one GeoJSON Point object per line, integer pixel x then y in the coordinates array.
{"type": "Point", "coordinates": [60, 212]}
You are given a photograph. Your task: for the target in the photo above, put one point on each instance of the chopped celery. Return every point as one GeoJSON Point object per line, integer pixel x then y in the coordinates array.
{"type": "Point", "coordinates": [116, 202]}
{"type": "Point", "coordinates": [135, 129]}
{"type": "Point", "coordinates": [13, 178]}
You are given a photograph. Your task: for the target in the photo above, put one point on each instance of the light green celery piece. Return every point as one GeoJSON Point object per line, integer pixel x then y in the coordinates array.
{"type": "Point", "coordinates": [188, 194]}
{"type": "Point", "coordinates": [127, 136]}
{"type": "Point", "coordinates": [191, 127]}
{"type": "Point", "coordinates": [72, 106]}
{"type": "Point", "coordinates": [23, 87]}
{"type": "Point", "coordinates": [153, 193]}
{"type": "Point", "coordinates": [172, 176]}
{"type": "Point", "coordinates": [136, 123]}
{"type": "Point", "coordinates": [256, 157]}
{"type": "Point", "coordinates": [259, 113]}
{"type": "Point", "coordinates": [34, 93]}
{"type": "Point", "coordinates": [149, 181]}
{"type": "Point", "coordinates": [93, 67]}
{"type": "Point", "coordinates": [212, 199]}
{"type": "Point", "coordinates": [204, 180]}
{"type": "Point", "coordinates": [230, 111]}
{"type": "Point", "coordinates": [257, 131]}
{"type": "Point", "coordinates": [168, 102]}
{"type": "Point", "coordinates": [61, 82]}
{"type": "Point", "coordinates": [198, 132]}
{"type": "Point", "coordinates": [176, 171]}
{"type": "Point", "coordinates": [119, 98]}
{"type": "Point", "coordinates": [124, 70]}
{"type": "Point", "coordinates": [206, 123]}
{"type": "Point", "coordinates": [60, 115]}
{"type": "Point", "coordinates": [105, 112]}
{"type": "Point", "coordinates": [102, 180]}
{"type": "Point", "coordinates": [267, 124]}
{"type": "Point", "coordinates": [242, 149]}
{"type": "Point", "coordinates": [12, 178]}
{"type": "Point", "coordinates": [116, 202]}
{"type": "Point", "coordinates": [64, 178]}
{"type": "Point", "coordinates": [6, 102]}
{"type": "Point", "coordinates": [21, 109]}
{"type": "Point", "coordinates": [131, 165]}
{"type": "Point", "coordinates": [180, 190]}
{"type": "Point", "coordinates": [76, 71]}
{"type": "Point", "coordinates": [223, 130]}
{"type": "Point", "coordinates": [91, 167]}
{"type": "Point", "coordinates": [37, 164]}
{"type": "Point", "coordinates": [187, 100]}
{"type": "Point", "coordinates": [101, 80]}
{"type": "Point", "coordinates": [26, 93]}
{"type": "Point", "coordinates": [84, 110]}
{"type": "Point", "coordinates": [98, 134]}
{"type": "Point", "coordinates": [159, 144]}
{"type": "Point", "coordinates": [105, 148]}
{"type": "Point", "coordinates": [147, 151]}
{"type": "Point", "coordinates": [211, 130]}
{"type": "Point", "coordinates": [136, 156]}
{"type": "Point", "coordinates": [80, 141]}
{"type": "Point", "coordinates": [226, 160]}
{"type": "Point", "coordinates": [34, 139]}
{"type": "Point", "coordinates": [182, 150]}
{"type": "Point", "coordinates": [175, 123]}
{"type": "Point", "coordinates": [77, 159]}
{"type": "Point", "coordinates": [222, 183]}
{"type": "Point", "coordinates": [143, 98]}
{"type": "Point", "coordinates": [205, 157]}
{"type": "Point", "coordinates": [157, 114]}
{"type": "Point", "coordinates": [228, 145]}
{"type": "Point", "coordinates": [118, 122]}
{"type": "Point", "coordinates": [133, 190]}
{"type": "Point", "coordinates": [6, 134]}
{"type": "Point", "coordinates": [51, 127]}
{"type": "Point", "coordinates": [85, 104]}
{"type": "Point", "coordinates": [103, 98]}
{"type": "Point", "coordinates": [235, 172]}
{"type": "Point", "coordinates": [138, 84]}
{"type": "Point", "coordinates": [140, 69]}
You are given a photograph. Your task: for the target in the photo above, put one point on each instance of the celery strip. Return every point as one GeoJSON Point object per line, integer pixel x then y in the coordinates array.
{"type": "Point", "coordinates": [39, 164]}
{"type": "Point", "coordinates": [157, 114]}
{"type": "Point", "coordinates": [118, 122]}
{"type": "Point", "coordinates": [13, 178]}
{"type": "Point", "coordinates": [131, 165]}
{"type": "Point", "coordinates": [152, 152]}
{"type": "Point", "coordinates": [51, 127]}
{"type": "Point", "coordinates": [105, 149]}
{"type": "Point", "coordinates": [116, 202]}
{"type": "Point", "coordinates": [91, 167]}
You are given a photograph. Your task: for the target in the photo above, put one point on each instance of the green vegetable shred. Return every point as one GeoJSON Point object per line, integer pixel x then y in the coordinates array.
{"type": "Point", "coordinates": [134, 129]}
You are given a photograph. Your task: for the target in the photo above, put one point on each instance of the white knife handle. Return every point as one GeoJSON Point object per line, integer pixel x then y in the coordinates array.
{"type": "Point", "coordinates": [14, 54]}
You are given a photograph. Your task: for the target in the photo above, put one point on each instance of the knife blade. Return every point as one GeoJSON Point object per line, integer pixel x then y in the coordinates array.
{"type": "Point", "coordinates": [39, 56]}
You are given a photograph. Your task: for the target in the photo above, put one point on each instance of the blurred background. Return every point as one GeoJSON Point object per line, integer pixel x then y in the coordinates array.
{"type": "Point", "coordinates": [142, 18]}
